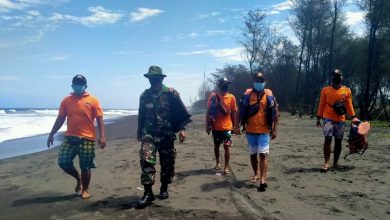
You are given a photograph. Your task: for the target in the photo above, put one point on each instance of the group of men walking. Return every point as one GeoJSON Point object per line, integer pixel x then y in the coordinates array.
{"type": "Point", "coordinates": [162, 114]}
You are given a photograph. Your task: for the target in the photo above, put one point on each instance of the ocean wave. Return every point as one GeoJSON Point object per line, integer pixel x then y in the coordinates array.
{"type": "Point", "coordinates": [2, 112]}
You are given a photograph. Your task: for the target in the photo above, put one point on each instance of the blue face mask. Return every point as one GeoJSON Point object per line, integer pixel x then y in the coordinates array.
{"type": "Point", "coordinates": [78, 89]}
{"type": "Point", "coordinates": [259, 86]}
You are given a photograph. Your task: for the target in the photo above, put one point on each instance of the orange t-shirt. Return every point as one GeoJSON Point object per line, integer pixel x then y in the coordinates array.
{"type": "Point", "coordinates": [224, 122]}
{"type": "Point", "coordinates": [81, 113]}
{"type": "Point", "coordinates": [258, 122]}
{"type": "Point", "coordinates": [329, 96]}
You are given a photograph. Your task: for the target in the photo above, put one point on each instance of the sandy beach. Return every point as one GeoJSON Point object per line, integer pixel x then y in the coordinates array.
{"type": "Point", "coordinates": [34, 187]}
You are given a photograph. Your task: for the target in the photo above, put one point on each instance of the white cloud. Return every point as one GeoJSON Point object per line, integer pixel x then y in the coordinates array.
{"type": "Point", "coordinates": [215, 32]}
{"type": "Point", "coordinates": [277, 8]}
{"type": "Point", "coordinates": [57, 57]}
{"type": "Point", "coordinates": [215, 13]}
{"type": "Point", "coordinates": [99, 16]}
{"type": "Point", "coordinates": [193, 35]}
{"type": "Point", "coordinates": [227, 54]}
{"type": "Point", "coordinates": [355, 20]}
{"type": "Point", "coordinates": [283, 6]}
{"type": "Point", "coordinates": [144, 13]}
{"type": "Point", "coordinates": [212, 14]}
{"type": "Point", "coordinates": [7, 78]}
{"type": "Point", "coordinates": [7, 5]}
{"type": "Point", "coordinates": [221, 20]}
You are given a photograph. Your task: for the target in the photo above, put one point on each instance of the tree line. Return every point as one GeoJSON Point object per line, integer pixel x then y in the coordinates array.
{"type": "Point", "coordinates": [296, 72]}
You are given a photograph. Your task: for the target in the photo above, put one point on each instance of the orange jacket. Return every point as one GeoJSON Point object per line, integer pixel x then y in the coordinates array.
{"type": "Point", "coordinates": [329, 96]}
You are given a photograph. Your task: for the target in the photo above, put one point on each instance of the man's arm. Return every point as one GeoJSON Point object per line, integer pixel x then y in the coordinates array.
{"type": "Point", "coordinates": [57, 125]}
{"type": "Point", "coordinates": [102, 132]}
{"type": "Point", "coordinates": [321, 107]}
{"type": "Point", "coordinates": [349, 105]}
{"type": "Point", "coordinates": [141, 118]}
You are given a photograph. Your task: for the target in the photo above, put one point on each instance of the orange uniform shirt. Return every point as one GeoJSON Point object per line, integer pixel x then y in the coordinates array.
{"type": "Point", "coordinates": [81, 113]}
{"type": "Point", "coordinates": [224, 122]}
{"type": "Point", "coordinates": [329, 96]}
{"type": "Point", "coordinates": [258, 122]}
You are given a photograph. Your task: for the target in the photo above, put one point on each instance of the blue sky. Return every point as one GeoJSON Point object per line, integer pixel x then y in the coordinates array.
{"type": "Point", "coordinates": [44, 43]}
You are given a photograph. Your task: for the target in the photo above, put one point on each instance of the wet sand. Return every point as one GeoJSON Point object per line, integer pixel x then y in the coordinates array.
{"type": "Point", "coordinates": [34, 187]}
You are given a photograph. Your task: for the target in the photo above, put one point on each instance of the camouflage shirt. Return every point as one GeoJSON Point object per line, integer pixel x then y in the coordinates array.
{"type": "Point", "coordinates": [154, 113]}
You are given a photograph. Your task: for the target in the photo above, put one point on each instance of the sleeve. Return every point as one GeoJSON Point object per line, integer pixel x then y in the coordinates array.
{"type": "Point", "coordinates": [322, 104]}
{"type": "Point", "coordinates": [233, 104]}
{"type": "Point", "coordinates": [62, 111]}
{"type": "Point", "coordinates": [209, 100]}
{"type": "Point", "coordinates": [348, 103]}
{"type": "Point", "coordinates": [97, 109]}
{"type": "Point", "coordinates": [141, 114]}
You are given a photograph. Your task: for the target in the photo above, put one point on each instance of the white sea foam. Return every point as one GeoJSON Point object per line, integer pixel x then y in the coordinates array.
{"type": "Point", "coordinates": [30, 122]}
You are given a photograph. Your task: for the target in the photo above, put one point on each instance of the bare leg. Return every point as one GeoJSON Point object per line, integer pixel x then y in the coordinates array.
{"type": "Point", "coordinates": [255, 164]}
{"type": "Point", "coordinates": [263, 167]}
{"type": "Point", "coordinates": [227, 158]}
{"type": "Point", "coordinates": [85, 179]}
{"type": "Point", "coordinates": [327, 143]}
{"type": "Point", "coordinates": [216, 153]}
{"type": "Point", "coordinates": [73, 172]}
{"type": "Point", "coordinates": [337, 151]}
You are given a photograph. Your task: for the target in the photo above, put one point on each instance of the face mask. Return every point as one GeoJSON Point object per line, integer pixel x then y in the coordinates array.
{"type": "Point", "coordinates": [78, 89]}
{"type": "Point", "coordinates": [259, 86]}
{"type": "Point", "coordinates": [337, 80]}
{"type": "Point", "coordinates": [154, 81]}
{"type": "Point", "coordinates": [224, 87]}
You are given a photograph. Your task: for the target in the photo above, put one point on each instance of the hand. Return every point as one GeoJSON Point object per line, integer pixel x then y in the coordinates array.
{"type": "Point", "coordinates": [236, 131]}
{"type": "Point", "coordinates": [50, 140]}
{"type": "Point", "coordinates": [182, 136]}
{"type": "Point", "coordinates": [273, 134]}
{"type": "Point", "coordinates": [102, 142]}
{"type": "Point", "coordinates": [318, 124]}
{"type": "Point", "coordinates": [243, 129]}
{"type": "Point", "coordinates": [208, 130]}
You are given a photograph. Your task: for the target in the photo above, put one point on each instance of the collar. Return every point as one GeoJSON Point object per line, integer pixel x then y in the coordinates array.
{"type": "Point", "coordinates": [84, 95]}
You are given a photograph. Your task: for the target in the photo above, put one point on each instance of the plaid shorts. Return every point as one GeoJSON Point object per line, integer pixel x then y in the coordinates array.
{"type": "Point", "coordinates": [73, 146]}
{"type": "Point", "coordinates": [333, 128]}
{"type": "Point", "coordinates": [222, 137]}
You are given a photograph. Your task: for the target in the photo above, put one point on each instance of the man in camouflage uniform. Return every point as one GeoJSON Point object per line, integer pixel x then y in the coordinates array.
{"type": "Point", "coordinates": [161, 114]}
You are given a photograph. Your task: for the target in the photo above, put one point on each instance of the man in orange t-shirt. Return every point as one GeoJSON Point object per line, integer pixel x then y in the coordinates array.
{"type": "Point", "coordinates": [81, 109]}
{"type": "Point", "coordinates": [259, 117]}
{"type": "Point", "coordinates": [335, 102]}
{"type": "Point", "coordinates": [221, 120]}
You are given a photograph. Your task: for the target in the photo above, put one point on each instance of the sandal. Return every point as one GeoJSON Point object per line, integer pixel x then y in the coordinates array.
{"type": "Point", "coordinates": [226, 172]}
{"type": "Point", "coordinates": [217, 167]}
{"type": "Point", "coordinates": [324, 169]}
{"type": "Point", "coordinates": [254, 179]}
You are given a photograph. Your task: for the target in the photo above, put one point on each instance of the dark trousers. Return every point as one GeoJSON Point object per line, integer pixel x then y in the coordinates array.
{"type": "Point", "coordinates": [167, 153]}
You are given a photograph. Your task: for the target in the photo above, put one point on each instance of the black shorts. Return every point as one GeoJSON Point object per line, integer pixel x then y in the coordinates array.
{"type": "Point", "coordinates": [222, 137]}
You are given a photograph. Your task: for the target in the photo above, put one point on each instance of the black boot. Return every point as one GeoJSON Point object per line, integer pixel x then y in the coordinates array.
{"type": "Point", "coordinates": [164, 191]}
{"type": "Point", "coordinates": [147, 198]}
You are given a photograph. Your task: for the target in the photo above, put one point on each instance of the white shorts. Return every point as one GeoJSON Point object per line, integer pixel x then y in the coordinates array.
{"type": "Point", "coordinates": [258, 143]}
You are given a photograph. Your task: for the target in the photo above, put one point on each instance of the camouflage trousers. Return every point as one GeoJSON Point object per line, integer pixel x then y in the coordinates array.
{"type": "Point", "coordinates": [167, 153]}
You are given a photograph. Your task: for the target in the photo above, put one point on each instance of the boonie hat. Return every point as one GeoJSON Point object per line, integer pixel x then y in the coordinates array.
{"type": "Point", "coordinates": [154, 71]}
{"type": "Point", "coordinates": [79, 80]}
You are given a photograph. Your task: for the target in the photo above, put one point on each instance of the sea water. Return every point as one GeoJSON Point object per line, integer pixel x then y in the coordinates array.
{"type": "Point", "coordinates": [24, 130]}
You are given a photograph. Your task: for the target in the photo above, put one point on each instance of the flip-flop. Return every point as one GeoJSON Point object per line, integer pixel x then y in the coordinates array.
{"type": "Point", "coordinates": [324, 169]}
{"type": "Point", "coordinates": [226, 172]}
{"type": "Point", "coordinates": [217, 167]}
{"type": "Point", "coordinates": [254, 179]}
